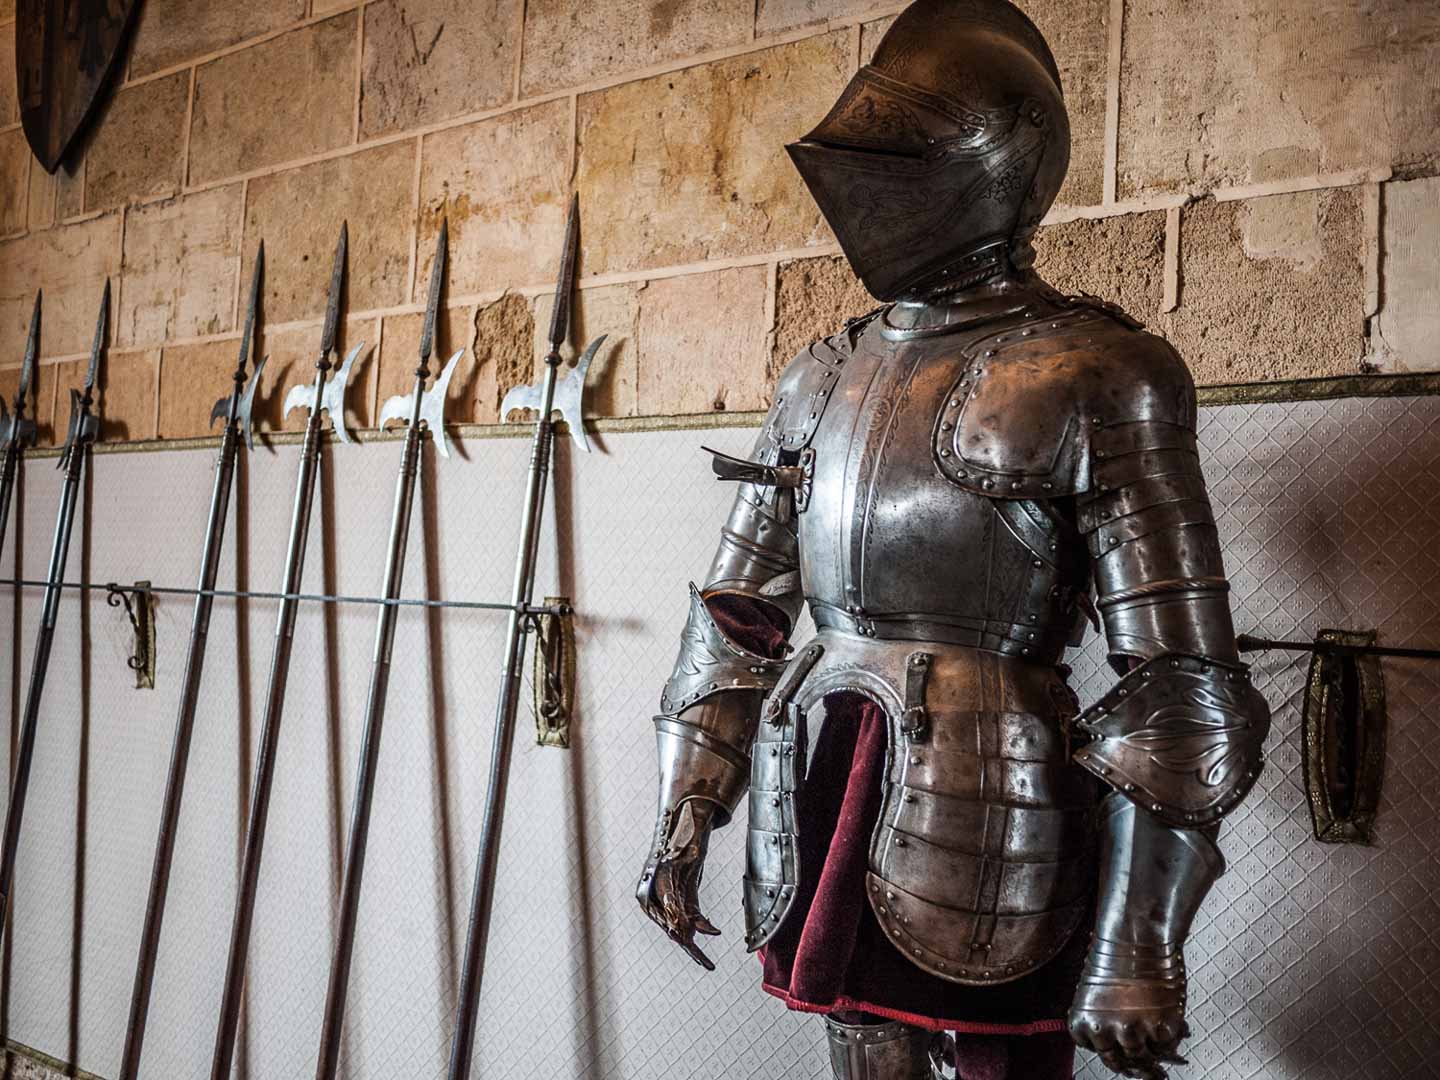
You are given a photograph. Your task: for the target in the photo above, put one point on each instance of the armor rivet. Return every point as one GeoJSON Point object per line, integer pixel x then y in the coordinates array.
{"type": "Point", "coordinates": [1095, 421]}
{"type": "Point", "coordinates": [899, 841]}
{"type": "Point", "coordinates": [989, 352]}
{"type": "Point", "coordinates": [1156, 807]}
{"type": "Point", "coordinates": [954, 403]}
{"type": "Point", "coordinates": [1029, 637]}
{"type": "Point", "coordinates": [1122, 691]}
{"type": "Point", "coordinates": [909, 798]}
{"type": "Point", "coordinates": [1014, 485]}
{"type": "Point", "coordinates": [915, 760]}
{"type": "Point", "coordinates": [1129, 787]}
{"type": "Point", "coordinates": [774, 752]}
{"type": "Point", "coordinates": [946, 453]}
{"type": "Point", "coordinates": [1026, 333]}
{"type": "Point", "coordinates": [1029, 618]}
{"type": "Point", "coordinates": [774, 802]}
{"type": "Point", "coordinates": [889, 896]}
{"type": "Point", "coordinates": [988, 484]}
{"type": "Point", "coordinates": [915, 951]}
{"type": "Point", "coordinates": [946, 426]}
{"type": "Point", "coordinates": [1025, 651]}
{"type": "Point", "coordinates": [883, 910]}
{"type": "Point", "coordinates": [1113, 541]}
{"type": "Point", "coordinates": [1037, 564]}
{"type": "Point", "coordinates": [769, 892]}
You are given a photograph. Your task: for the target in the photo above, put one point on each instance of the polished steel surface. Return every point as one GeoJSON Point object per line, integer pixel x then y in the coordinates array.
{"type": "Point", "coordinates": [885, 1051]}
{"type": "Point", "coordinates": [1130, 1005]}
{"type": "Point", "coordinates": [83, 431]}
{"type": "Point", "coordinates": [945, 150]}
{"type": "Point", "coordinates": [322, 395]}
{"type": "Point", "coordinates": [236, 410]}
{"type": "Point", "coordinates": [426, 412]}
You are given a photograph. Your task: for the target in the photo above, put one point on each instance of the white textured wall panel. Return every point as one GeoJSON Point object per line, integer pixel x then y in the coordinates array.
{"type": "Point", "coordinates": [1309, 961]}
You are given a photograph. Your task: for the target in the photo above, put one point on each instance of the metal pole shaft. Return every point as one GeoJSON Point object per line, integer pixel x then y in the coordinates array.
{"type": "Point", "coordinates": [337, 989]}
{"type": "Point", "coordinates": [7, 487]}
{"type": "Point", "coordinates": [64, 523]}
{"type": "Point", "coordinates": [269, 739]}
{"type": "Point", "coordinates": [179, 755]}
{"type": "Point", "coordinates": [483, 892]}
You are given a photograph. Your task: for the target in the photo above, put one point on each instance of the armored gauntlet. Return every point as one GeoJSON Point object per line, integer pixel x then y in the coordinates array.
{"type": "Point", "coordinates": [1179, 738]}
{"type": "Point", "coordinates": [731, 655]}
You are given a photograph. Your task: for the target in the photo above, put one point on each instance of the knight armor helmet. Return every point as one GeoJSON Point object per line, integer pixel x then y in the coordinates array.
{"type": "Point", "coordinates": [944, 152]}
{"type": "Point", "coordinates": [955, 486]}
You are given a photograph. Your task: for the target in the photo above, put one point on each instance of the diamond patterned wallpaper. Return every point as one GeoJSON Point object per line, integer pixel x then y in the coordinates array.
{"type": "Point", "coordinates": [1309, 961]}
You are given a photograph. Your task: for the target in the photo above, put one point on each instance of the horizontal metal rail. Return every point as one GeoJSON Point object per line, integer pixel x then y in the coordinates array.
{"type": "Point", "coordinates": [1249, 643]}
{"type": "Point", "coordinates": [318, 598]}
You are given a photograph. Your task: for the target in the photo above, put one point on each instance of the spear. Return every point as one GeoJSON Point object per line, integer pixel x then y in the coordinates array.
{"type": "Point", "coordinates": [319, 397]}
{"type": "Point", "coordinates": [567, 397]}
{"type": "Point", "coordinates": [421, 409]}
{"type": "Point", "coordinates": [236, 410]}
{"type": "Point", "coordinates": [17, 433]}
{"type": "Point", "coordinates": [83, 430]}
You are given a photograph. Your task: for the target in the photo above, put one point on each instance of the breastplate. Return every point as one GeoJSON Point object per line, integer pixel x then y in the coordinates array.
{"type": "Point", "coordinates": [893, 549]}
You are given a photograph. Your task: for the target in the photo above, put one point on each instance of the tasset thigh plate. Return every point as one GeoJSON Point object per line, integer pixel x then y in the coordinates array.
{"type": "Point", "coordinates": [981, 865]}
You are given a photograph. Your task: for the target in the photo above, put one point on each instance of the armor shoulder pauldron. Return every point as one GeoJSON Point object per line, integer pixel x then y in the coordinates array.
{"type": "Point", "coordinates": [805, 388]}
{"type": "Point", "coordinates": [1022, 417]}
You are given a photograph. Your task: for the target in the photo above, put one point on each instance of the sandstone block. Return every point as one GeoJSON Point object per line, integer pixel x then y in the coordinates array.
{"type": "Point", "coordinates": [568, 43]}
{"type": "Point", "coordinates": [292, 353]}
{"type": "Point", "coordinates": [1078, 32]}
{"type": "Point", "coordinates": [40, 205]}
{"type": "Point", "coordinates": [1119, 259]}
{"type": "Point", "coordinates": [773, 16]}
{"type": "Point", "coordinates": [612, 310]}
{"type": "Point", "coordinates": [9, 106]}
{"type": "Point", "coordinates": [372, 191]}
{"type": "Point", "coordinates": [426, 60]}
{"type": "Point", "coordinates": [14, 181]}
{"type": "Point", "coordinates": [502, 346]}
{"type": "Point", "coordinates": [1271, 289]}
{"type": "Point", "coordinates": [180, 262]}
{"type": "Point", "coordinates": [7, 9]}
{"type": "Point", "coordinates": [125, 394]}
{"type": "Point", "coordinates": [691, 165]}
{"type": "Point", "coordinates": [400, 352]}
{"type": "Point", "coordinates": [280, 100]}
{"type": "Point", "coordinates": [171, 32]}
{"type": "Point", "coordinates": [1209, 92]}
{"type": "Point", "coordinates": [71, 263]}
{"type": "Point", "coordinates": [503, 183]}
{"type": "Point", "coordinates": [137, 146]}
{"type": "Point", "coordinates": [1405, 336]}
{"type": "Point", "coordinates": [813, 298]}
{"type": "Point", "coordinates": [69, 191]}
{"type": "Point", "coordinates": [701, 344]}
{"type": "Point", "coordinates": [42, 406]}
{"type": "Point", "coordinates": [192, 379]}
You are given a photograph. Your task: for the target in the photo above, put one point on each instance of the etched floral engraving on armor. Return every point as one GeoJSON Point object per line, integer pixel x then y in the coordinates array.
{"type": "Point", "coordinates": [1198, 736]}
{"type": "Point", "coordinates": [1007, 184]}
{"type": "Point", "coordinates": [873, 116]}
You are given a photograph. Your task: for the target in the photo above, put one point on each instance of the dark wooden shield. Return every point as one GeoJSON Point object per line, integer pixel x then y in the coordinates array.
{"type": "Point", "coordinates": [65, 53]}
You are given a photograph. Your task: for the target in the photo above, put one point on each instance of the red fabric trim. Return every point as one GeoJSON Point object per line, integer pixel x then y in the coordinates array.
{"type": "Point", "coordinates": [842, 1002]}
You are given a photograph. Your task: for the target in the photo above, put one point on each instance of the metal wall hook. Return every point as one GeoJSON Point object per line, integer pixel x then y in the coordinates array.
{"type": "Point", "coordinates": [142, 621]}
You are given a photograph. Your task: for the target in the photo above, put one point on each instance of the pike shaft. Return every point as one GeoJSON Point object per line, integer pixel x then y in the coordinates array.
{"type": "Point", "coordinates": [180, 753]}
{"type": "Point", "coordinates": [64, 524]}
{"type": "Point", "coordinates": [335, 995]}
{"type": "Point", "coordinates": [269, 741]}
{"type": "Point", "coordinates": [483, 893]}
{"type": "Point", "coordinates": [7, 487]}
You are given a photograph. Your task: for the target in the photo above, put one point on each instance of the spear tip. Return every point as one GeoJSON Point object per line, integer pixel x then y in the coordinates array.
{"type": "Point", "coordinates": [432, 300]}
{"type": "Point", "coordinates": [565, 281]}
{"type": "Point", "coordinates": [337, 280]}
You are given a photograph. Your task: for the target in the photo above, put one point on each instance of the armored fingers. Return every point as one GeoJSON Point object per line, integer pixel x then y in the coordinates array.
{"type": "Point", "coordinates": [731, 655]}
{"type": "Point", "coordinates": [1179, 738]}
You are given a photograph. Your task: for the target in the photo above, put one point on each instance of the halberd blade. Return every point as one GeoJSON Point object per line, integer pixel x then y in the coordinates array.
{"type": "Point", "coordinates": [101, 323]}
{"type": "Point", "coordinates": [337, 282]}
{"type": "Point", "coordinates": [251, 311]}
{"type": "Point", "coordinates": [432, 405]}
{"type": "Point", "coordinates": [432, 301]}
{"type": "Point", "coordinates": [333, 400]}
{"type": "Point", "coordinates": [32, 353]}
{"type": "Point", "coordinates": [569, 399]}
{"type": "Point", "coordinates": [245, 417]}
{"type": "Point", "coordinates": [520, 397]}
{"type": "Point", "coordinates": [565, 282]}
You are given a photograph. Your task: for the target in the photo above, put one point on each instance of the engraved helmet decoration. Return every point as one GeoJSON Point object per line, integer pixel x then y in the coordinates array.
{"type": "Point", "coordinates": [944, 152]}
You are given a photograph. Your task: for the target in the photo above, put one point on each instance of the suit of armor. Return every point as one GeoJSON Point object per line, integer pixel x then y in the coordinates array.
{"type": "Point", "coordinates": [954, 486]}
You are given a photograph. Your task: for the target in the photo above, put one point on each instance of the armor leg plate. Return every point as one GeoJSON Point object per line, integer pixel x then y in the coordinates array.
{"type": "Point", "coordinates": [885, 1051]}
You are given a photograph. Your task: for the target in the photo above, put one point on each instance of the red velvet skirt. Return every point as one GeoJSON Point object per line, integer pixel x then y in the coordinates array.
{"type": "Point", "coordinates": [830, 953]}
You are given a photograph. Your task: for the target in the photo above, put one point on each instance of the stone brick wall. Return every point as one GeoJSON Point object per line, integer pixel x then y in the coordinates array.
{"type": "Point", "coordinates": [1253, 178]}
